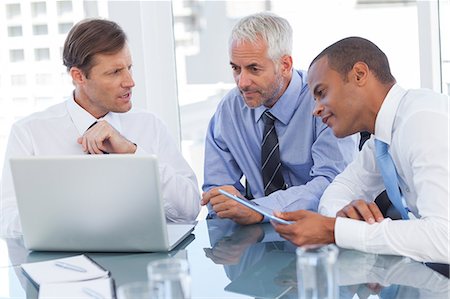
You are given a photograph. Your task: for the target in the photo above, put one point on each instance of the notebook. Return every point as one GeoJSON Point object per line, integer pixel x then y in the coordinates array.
{"type": "Point", "coordinates": [71, 277]}
{"type": "Point", "coordinates": [68, 269]}
{"type": "Point", "coordinates": [106, 203]}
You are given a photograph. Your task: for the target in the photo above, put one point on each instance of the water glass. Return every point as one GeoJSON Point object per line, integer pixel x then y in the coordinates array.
{"type": "Point", "coordinates": [134, 290]}
{"type": "Point", "coordinates": [317, 272]}
{"type": "Point", "coordinates": [169, 278]}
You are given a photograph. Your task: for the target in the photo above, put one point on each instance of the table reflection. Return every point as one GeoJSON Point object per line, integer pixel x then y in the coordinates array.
{"type": "Point", "coordinates": [262, 266]}
{"type": "Point", "coordinates": [232, 261]}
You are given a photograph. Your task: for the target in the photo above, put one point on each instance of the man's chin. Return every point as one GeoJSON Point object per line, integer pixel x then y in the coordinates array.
{"type": "Point", "coordinates": [340, 134]}
{"type": "Point", "coordinates": [123, 108]}
{"type": "Point", "coordinates": [252, 103]}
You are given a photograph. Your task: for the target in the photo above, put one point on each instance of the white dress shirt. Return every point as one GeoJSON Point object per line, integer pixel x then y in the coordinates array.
{"type": "Point", "coordinates": [55, 132]}
{"type": "Point", "coordinates": [415, 125]}
{"type": "Point", "coordinates": [414, 280]}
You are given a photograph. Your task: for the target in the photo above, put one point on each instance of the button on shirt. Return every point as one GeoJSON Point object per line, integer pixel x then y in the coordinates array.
{"type": "Point", "coordinates": [55, 132]}
{"type": "Point", "coordinates": [415, 124]}
{"type": "Point", "coordinates": [311, 155]}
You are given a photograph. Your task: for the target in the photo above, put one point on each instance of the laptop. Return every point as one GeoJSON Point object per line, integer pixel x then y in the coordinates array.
{"type": "Point", "coordinates": [104, 203]}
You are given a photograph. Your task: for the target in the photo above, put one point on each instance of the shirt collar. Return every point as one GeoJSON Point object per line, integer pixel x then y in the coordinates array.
{"type": "Point", "coordinates": [83, 119]}
{"type": "Point", "coordinates": [286, 105]}
{"type": "Point", "coordinates": [384, 122]}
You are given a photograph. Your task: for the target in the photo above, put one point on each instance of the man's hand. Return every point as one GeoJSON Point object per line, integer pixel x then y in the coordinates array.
{"type": "Point", "coordinates": [103, 138]}
{"type": "Point", "coordinates": [228, 208]}
{"type": "Point", "coordinates": [229, 249]}
{"type": "Point", "coordinates": [308, 228]}
{"type": "Point", "coordinates": [361, 210]}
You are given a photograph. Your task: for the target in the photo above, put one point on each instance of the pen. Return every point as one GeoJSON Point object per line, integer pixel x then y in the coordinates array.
{"type": "Point", "coordinates": [70, 266]}
{"type": "Point", "coordinates": [91, 293]}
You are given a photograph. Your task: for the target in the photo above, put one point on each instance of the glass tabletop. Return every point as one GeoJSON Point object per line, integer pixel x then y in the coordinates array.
{"type": "Point", "coordinates": [232, 261]}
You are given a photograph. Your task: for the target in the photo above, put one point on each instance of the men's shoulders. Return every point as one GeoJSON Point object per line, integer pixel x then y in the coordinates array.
{"type": "Point", "coordinates": [417, 100]}
{"type": "Point", "coordinates": [53, 112]}
{"type": "Point", "coordinates": [421, 104]}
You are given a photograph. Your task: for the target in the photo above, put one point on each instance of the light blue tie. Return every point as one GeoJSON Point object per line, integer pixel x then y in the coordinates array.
{"type": "Point", "coordinates": [389, 174]}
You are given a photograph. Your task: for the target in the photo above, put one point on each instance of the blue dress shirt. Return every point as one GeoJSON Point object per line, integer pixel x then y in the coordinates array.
{"type": "Point", "coordinates": [311, 155]}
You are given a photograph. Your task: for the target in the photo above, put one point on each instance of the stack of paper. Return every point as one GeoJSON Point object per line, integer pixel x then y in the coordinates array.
{"type": "Point", "coordinates": [72, 277]}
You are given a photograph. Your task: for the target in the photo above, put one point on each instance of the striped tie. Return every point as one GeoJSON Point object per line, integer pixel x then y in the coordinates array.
{"type": "Point", "coordinates": [270, 156]}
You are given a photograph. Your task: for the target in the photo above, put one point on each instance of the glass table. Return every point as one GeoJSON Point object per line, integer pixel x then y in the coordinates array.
{"type": "Point", "coordinates": [232, 261]}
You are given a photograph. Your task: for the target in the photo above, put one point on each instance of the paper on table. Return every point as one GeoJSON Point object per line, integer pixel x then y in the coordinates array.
{"type": "Point", "coordinates": [96, 288]}
{"type": "Point", "coordinates": [49, 272]}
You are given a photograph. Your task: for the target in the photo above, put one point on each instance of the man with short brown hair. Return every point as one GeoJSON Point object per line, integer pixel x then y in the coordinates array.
{"type": "Point", "coordinates": [97, 119]}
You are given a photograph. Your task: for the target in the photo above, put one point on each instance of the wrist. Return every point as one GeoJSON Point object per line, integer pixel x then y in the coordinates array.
{"type": "Point", "coordinates": [329, 226]}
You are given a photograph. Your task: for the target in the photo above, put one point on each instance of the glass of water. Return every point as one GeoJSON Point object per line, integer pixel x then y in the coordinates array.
{"type": "Point", "coordinates": [134, 290]}
{"type": "Point", "coordinates": [316, 272]}
{"type": "Point", "coordinates": [169, 278]}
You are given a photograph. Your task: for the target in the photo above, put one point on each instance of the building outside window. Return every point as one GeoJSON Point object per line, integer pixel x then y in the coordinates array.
{"type": "Point", "coordinates": [14, 31]}
{"type": "Point", "coordinates": [31, 36]}
{"type": "Point", "coordinates": [41, 54]}
{"type": "Point", "coordinates": [38, 9]}
{"type": "Point", "coordinates": [13, 10]}
{"type": "Point", "coordinates": [202, 29]}
{"type": "Point", "coordinates": [201, 34]}
{"type": "Point", "coordinates": [16, 55]}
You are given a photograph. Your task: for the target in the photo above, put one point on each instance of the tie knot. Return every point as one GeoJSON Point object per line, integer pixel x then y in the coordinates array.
{"type": "Point", "coordinates": [268, 118]}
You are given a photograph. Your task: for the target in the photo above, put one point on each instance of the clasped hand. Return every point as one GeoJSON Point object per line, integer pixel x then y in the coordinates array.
{"type": "Point", "coordinates": [104, 138]}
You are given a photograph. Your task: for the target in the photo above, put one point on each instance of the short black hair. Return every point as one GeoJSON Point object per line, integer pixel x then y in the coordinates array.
{"type": "Point", "coordinates": [343, 54]}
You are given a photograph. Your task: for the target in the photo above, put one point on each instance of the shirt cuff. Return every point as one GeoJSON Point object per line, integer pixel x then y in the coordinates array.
{"type": "Point", "coordinates": [350, 233]}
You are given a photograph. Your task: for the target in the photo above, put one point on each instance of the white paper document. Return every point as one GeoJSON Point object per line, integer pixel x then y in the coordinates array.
{"type": "Point", "coordinates": [71, 269]}
{"type": "Point", "coordinates": [91, 289]}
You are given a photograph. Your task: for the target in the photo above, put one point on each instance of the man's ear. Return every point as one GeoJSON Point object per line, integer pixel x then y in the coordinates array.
{"type": "Point", "coordinates": [359, 73]}
{"type": "Point", "coordinates": [77, 75]}
{"type": "Point", "coordinates": [286, 65]}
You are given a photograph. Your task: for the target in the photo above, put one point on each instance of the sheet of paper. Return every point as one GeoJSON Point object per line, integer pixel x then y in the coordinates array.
{"type": "Point", "coordinates": [76, 268]}
{"type": "Point", "coordinates": [91, 289]}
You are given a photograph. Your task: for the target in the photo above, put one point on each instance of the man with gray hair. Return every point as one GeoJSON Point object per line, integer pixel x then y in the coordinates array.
{"type": "Point", "coordinates": [264, 130]}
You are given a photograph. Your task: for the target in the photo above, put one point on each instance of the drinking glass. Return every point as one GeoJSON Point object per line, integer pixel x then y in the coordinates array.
{"type": "Point", "coordinates": [169, 278]}
{"type": "Point", "coordinates": [134, 290]}
{"type": "Point", "coordinates": [316, 272]}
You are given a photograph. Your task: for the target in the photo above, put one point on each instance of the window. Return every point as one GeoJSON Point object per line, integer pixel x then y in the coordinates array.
{"type": "Point", "coordinates": [64, 28]}
{"type": "Point", "coordinates": [38, 9]}
{"type": "Point", "coordinates": [90, 8]}
{"type": "Point", "coordinates": [12, 10]}
{"type": "Point", "coordinates": [64, 7]}
{"type": "Point", "coordinates": [18, 80]}
{"type": "Point", "coordinates": [33, 31]}
{"type": "Point", "coordinates": [16, 55]}
{"type": "Point", "coordinates": [444, 19]}
{"type": "Point", "coordinates": [41, 54]}
{"type": "Point", "coordinates": [202, 29]}
{"type": "Point", "coordinates": [14, 31]}
{"type": "Point", "coordinates": [40, 29]}
{"type": "Point", "coordinates": [44, 79]}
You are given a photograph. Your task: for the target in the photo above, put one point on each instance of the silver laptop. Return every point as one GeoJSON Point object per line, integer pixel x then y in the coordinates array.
{"type": "Point", "coordinates": [93, 203]}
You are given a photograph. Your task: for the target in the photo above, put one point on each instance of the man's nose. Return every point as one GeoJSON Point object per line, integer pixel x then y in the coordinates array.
{"type": "Point", "coordinates": [318, 109]}
{"type": "Point", "coordinates": [128, 80]}
{"type": "Point", "coordinates": [243, 80]}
